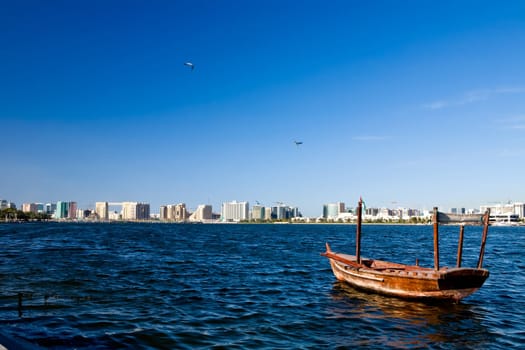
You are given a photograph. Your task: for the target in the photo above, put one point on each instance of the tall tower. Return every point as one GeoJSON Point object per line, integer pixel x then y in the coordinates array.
{"type": "Point", "coordinates": [102, 210]}
{"type": "Point", "coordinates": [62, 210]}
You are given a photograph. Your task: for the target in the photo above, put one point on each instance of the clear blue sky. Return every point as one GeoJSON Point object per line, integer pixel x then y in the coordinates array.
{"type": "Point", "coordinates": [420, 103]}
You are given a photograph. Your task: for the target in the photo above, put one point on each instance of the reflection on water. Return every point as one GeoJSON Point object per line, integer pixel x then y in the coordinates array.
{"type": "Point", "coordinates": [415, 323]}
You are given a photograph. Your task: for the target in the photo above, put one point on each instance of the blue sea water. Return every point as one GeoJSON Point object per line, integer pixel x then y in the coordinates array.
{"type": "Point", "coordinates": [177, 286]}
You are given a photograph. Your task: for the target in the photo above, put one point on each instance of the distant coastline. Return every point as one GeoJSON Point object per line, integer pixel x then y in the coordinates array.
{"type": "Point", "coordinates": [202, 223]}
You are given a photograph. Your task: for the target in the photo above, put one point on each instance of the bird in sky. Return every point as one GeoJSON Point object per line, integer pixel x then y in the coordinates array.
{"type": "Point", "coordinates": [297, 143]}
{"type": "Point", "coordinates": [189, 64]}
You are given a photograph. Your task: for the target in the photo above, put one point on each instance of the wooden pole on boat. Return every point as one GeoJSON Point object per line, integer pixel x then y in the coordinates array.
{"type": "Point", "coordinates": [358, 231]}
{"type": "Point", "coordinates": [486, 218]}
{"type": "Point", "coordinates": [436, 239]}
{"type": "Point", "coordinates": [460, 244]}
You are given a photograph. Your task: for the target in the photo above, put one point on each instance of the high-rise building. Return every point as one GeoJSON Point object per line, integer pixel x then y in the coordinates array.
{"type": "Point", "coordinates": [83, 214]}
{"type": "Point", "coordinates": [519, 209]}
{"type": "Point", "coordinates": [50, 208]}
{"type": "Point", "coordinates": [102, 210]}
{"type": "Point", "coordinates": [143, 211]}
{"type": "Point", "coordinates": [296, 213]}
{"type": "Point", "coordinates": [129, 210]}
{"type": "Point", "coordinates": [202, 213]}
{"type": "Point", "coordinates": [332, 210]}
{"type": "Point", "coordinates": [135, 211]}
{"type": "Point", "coordinates": [72, 210]}
{"type": "Point", "coordinates": [257, 212]}
{"type": "Point", "coordinates": [61, 211]}
{"type": "Point", "coordinates": [371, 211]}
{"type": "Point", "coordinates": [235, 211]}
{"type": "Point", "coordinates": [174, 212]}
{"type": "Point", "coordinates": [5, 204]}
{"type": "Point", "coordinates": [66, 210]}
{"type": "Point", "coordinates": [29, 208]}
{"type": "Point", "coordinates": [181, 214]}
{"type": "Point", "coordinates": [280, 212]}
{"type": "Point", "coordinates": [170, 212]}
{"type": "Point", "coordinates": [284, 212]}
{"type": "Point", "coordinates": [267, 213]}
{"type": "Point", "coordinates": [163, 213]}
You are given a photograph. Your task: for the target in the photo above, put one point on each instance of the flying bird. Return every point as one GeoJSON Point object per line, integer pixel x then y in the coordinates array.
{"type": "Point", "coordinates": [297, 143]}
{"type": "Point", "coordinates": [189, 64]}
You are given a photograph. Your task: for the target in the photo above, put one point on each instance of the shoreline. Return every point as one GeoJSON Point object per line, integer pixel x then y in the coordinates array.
{"type": "Point", "coordinates": [231, 223]}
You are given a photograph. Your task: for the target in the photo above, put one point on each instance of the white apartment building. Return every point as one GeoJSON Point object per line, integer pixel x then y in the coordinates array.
{"type": "Point", "coordinates": [135, 211]}
{"type": "Point", "coordinates": [235, 211]}
{"type": "Point", "coordinates": [505, 209]}
{"type": "Point", "coordinates": [129, 210]}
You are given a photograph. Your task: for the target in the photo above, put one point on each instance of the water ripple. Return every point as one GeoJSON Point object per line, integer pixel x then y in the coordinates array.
{"type": "Point", "coordinates": [147, 286]}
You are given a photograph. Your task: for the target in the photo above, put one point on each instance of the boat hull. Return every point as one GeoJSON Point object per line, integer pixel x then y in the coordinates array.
{"type": "Point", "coordinates": [411, 282]}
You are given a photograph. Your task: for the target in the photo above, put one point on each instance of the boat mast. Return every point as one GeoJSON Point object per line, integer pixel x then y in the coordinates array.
{"type": "Point", "coordinates": [486, 219]}
{"type": "Point", "coordinates": [358, 231]}
{"type": "Point", "coordinates": [436, 239]}
{"type": "Point", "coordinates": [460, 244]}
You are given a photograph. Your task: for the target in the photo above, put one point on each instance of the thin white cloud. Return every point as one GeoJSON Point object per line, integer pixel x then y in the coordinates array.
{"type": "Point", "coordinates": [511, 153]}
{"type": "Point", "coordinates": [474, 96]}
{"type": "Point", "coordinates": [484, 94]}
{"type": "Point", "coordinates": [436, 105]}
{"type": "Point", "coordinates": [514, 123]}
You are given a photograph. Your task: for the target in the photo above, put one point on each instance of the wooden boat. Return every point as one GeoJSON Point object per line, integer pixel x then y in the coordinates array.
{"type": "Point", "coordinates": [414, 281]}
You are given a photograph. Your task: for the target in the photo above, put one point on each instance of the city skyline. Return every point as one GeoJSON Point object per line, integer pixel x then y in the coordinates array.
{"type": "Point", "coordinates": [418, 104]}
{"type": "Point", "coordinates": [509, 214]}
{"type": "Point", "coordinates": [179, 210]}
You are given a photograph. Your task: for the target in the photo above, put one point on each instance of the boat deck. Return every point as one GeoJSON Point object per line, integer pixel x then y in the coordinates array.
{"type": "Point", "coordinates": [380, 265]}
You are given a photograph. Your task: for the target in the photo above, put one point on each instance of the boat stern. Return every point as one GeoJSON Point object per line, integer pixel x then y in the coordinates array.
{"type": "Point", "coordinates": [462, 278]}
